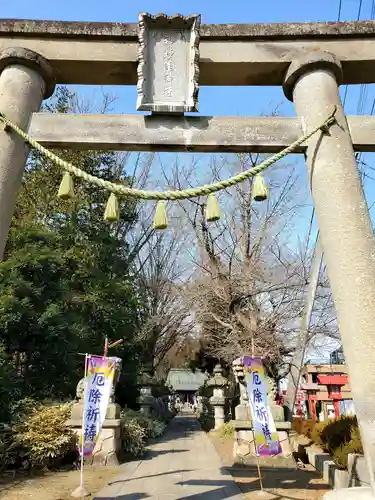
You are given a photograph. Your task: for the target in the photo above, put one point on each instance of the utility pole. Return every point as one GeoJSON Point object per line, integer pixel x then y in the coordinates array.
{"type": "Point", "coordinates": [302, 342]}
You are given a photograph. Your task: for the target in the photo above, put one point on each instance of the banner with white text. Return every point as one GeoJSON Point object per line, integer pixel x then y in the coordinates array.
{"type": "Point", "coordinates": [98, 386]}
{"type": "Point", "coordinates": [265, 434]}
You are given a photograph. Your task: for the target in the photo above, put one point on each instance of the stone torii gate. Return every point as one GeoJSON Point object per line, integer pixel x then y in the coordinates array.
{"type": "Point", "coordinates": [309, 60]}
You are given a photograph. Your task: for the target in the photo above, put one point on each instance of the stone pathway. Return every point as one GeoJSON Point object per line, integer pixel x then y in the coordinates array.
{"type": "Point", "coordinates": [182, 465]}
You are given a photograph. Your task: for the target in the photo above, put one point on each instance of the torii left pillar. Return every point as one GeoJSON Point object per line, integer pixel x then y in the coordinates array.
{"type": "Point", "coordinates": [26, 78]}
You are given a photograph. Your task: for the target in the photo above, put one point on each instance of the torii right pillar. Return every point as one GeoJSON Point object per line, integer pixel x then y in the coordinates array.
{"type": "Point", "coordinates": [312, 83]}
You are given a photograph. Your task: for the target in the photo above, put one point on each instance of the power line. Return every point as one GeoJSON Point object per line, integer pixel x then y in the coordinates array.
{"type": "Point", "coordinates": [338, 19]}
{"type": "Point", "coordinates": [363, 93]}
{"type": "Point", "coordinates": [363, 89]}
{"type": "Point", "coordinates": [345, 94]}
{"type": "Point", "coordinates": [359, 9]}
{"type": "Point", "coordinates": [358, 18]}
{"type": "Point", "coordinates": [339, 14]}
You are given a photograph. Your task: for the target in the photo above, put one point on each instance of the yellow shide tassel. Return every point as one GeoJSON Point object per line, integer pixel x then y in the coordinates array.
{"type": "Point", "coordinates": [260, 191]}
{"type": "Point", "coordinates": [112, 209]}
{"type": "Point", "coordinates": [66, 189]}
{"type": "Point", "coordinates": [212, 208]}
{"type": "Point", "coordinates": [160, 218]}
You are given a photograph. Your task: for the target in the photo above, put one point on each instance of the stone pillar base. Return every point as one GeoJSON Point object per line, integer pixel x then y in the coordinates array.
{"type": "Point", "coordinates": [108, 447]}
{"type": "Point", "coordinates": [244, 447]}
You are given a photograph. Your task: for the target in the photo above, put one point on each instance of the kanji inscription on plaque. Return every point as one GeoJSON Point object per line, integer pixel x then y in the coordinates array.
{"type": "Point", "coordinates": [168, 63]}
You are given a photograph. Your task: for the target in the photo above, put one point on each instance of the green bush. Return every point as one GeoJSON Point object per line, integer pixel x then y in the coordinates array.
{"type": "Point", "coordinates": [340, 455]}
{"type": "Point", "coordinates": [37, 435]}
{"type": "Point", "coordinates": [207, 422]}
{"type": "Point", "coordinates": [339, 437]}
{"type": "Point", "coordinates": [315, 433]}
{"type": "Point", "coordinates": [354, 445]}
{"type": "Point", "coordinates": [153, 427]}
{"type": "Point", "coordinates": [304, 427]}
{"type": "Point", "coordinates": [20, 410]}
{"type": "Point", "coordinates": [297, 425]}
{"type": "Point", "coordinates": [133, 437]}
{"type": "Point", "coordinates": [137, 429]}
{"type": "Point", "coordinates": [42, 438]}
{"type": "Point", "coordinates": [7, 446]}
{"type": "Point", "coordinates": [226, 431]}
{"type": "Point", "coordinates": [337, 432]}
{"type": "Point", "coordinates": [355, 441]}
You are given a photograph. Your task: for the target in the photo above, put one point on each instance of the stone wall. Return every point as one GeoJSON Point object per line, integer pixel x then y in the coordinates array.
{"type": "Point", "coordinates": [108, 447]}
{"type": "Point", "coordinates": [356, 475]}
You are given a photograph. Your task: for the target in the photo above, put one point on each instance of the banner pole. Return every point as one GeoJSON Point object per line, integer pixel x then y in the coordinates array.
{"type": "Point", "coordinates": [83, 424]}
{"type": "Point", "coordinates": [252, 426]}
{"type": "Point", "coordinates": [257, 458]}
{"type": "Point", "coordinates": [81, 492]}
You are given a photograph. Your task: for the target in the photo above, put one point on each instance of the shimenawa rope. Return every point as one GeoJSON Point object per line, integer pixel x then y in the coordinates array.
{"type": "Point", "coordinates": [168, 195]}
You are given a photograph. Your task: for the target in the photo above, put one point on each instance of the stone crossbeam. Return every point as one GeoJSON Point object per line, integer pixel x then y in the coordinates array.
{"type": "Point", "coordinates": [230, 54]}
{"type": "Point", "coordinates": [204, 134]}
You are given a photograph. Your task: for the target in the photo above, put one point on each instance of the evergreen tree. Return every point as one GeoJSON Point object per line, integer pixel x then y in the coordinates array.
{"type": "Point", "coordinates": [67, 281]}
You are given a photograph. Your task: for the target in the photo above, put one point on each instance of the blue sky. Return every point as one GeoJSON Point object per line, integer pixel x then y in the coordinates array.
{"type": "Point", "coordinates": [220, 101]}
{"type": "Point", "coordinates": [242, 100]}
{"type": "Point", "coordinates": [215, 11]}
{"type": "Point", "coordinates": [215, 100]}
{"type": "Point", "coordinates": [212, 100]}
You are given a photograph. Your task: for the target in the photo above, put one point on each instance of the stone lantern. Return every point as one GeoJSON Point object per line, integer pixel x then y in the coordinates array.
{"type": "Point", "coordinates": [146, 382]}
{"type": "Point", "coordinates": [242, 410]}
{"type": "Point", "coordinates": [219, 384]}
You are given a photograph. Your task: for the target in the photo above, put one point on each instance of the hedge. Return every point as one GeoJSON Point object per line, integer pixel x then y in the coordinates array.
{"type": "Point", "coordinates": [137, 429]}
{"type": "Point", "coordinates": [38, 436]}
{"type": "Point", "coordinates": [339, 437]}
